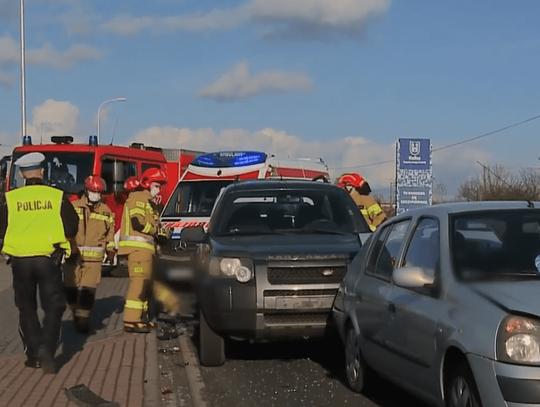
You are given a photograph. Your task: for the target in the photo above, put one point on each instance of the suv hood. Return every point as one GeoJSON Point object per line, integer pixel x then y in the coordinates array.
{"type": "Point", "coordinates": [290, 244]}
{"type": "Point", "coordinates": [512, 295]}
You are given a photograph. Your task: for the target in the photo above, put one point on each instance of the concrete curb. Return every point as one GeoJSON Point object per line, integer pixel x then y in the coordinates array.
{"type": "Point", "coordinates": [152, 394]}
{"type": "Point", "coordinates": [193, 373]}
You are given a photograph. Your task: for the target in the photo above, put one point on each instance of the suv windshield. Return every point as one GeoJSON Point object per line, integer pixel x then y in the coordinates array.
{"type": "Point", "coordinates": [65, 171]}
{"type": "Point", "coordinates": [195, 198]}
{"type": "Point", "coordinates": [306, 211]}
{"type": "Point", "coordinates": [495, 244]}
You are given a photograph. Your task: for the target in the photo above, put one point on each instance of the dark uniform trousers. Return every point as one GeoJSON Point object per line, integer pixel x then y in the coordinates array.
{"type": "Point", "coordinates": [29, 274]}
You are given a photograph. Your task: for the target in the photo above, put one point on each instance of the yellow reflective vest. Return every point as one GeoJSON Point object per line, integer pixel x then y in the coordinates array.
{"type": "Point", "coordinates": [34, 222]}
{"type": "Point", "coordinates": [138, 206]}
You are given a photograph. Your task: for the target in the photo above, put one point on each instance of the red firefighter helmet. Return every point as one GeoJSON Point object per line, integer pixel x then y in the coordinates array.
{"type": "Point", "coordinates": [355, 180]}
{"type": "Point", "coordinates": [94, 183]}
{"type": "Point", "coordinates": [152, 175]}
{"type": "Point", "coordinates": [131, 184]}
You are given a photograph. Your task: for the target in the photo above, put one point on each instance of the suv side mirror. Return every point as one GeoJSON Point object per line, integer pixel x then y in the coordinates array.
{"type": "Point", "coordinates": [193, 234]}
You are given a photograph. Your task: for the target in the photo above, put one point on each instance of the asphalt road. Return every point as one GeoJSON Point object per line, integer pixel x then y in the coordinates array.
{"type": "Point", "coordinates": [279, 374]}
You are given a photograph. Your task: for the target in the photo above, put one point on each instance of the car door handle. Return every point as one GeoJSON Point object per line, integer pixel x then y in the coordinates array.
{"type": "Point", "coordinates": [391, 307]}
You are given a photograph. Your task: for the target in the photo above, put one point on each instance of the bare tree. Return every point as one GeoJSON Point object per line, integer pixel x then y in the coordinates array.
{"type": "Point", "coordinates": [439, 193]}
{"type": "Point", "coordinates": [498, 183]}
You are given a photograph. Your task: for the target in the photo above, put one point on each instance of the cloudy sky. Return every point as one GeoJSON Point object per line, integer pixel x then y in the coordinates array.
{"type": "Point", "coordinates": [338, 79]}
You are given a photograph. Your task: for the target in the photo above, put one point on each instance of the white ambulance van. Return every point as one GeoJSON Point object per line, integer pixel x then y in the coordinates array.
{"type": "Point", "coordinates": [191, 203]}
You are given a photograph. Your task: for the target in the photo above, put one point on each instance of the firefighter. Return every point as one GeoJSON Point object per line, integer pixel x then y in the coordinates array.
{"type": "Point", "coordinates": [36, 224]}
{"type": "Point", "coordinates": [138, 230]}
{"type": "Point", "coordinates": [167, 299]}
{"type": "Point", "coordinates": [359, 190]}
{"type": "Point", "coordinates": [94, 242]}
{"type": "Point", "coordinates": [130, 185]}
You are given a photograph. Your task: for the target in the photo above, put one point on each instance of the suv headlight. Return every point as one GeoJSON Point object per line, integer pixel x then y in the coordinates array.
{"type": "Point", "coordinates": [519, 340]}
{"type": "Point", "coordinates": [231, 267]}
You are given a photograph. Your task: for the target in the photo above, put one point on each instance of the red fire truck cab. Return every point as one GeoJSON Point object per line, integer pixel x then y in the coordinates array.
{"type": "Point", "coordinates": [67, 165]}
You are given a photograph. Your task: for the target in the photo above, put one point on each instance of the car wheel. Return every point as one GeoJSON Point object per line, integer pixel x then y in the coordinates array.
{"type": "Point", "coordinates": [355, 366]}
{"type": "Point", "coordinates": [461, 389]}
{"type": "Point", "coordinates": [212, 346]}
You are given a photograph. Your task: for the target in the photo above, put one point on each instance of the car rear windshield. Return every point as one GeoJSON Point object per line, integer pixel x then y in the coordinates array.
{"type": "Point", "coordinates": [194, 198]}
{"type": "Point", "coordinates": [316, 211]}
{"type": "Point", "coordinates": [63, 170]}
{"type": "Point", "coordinates": [495, 244]}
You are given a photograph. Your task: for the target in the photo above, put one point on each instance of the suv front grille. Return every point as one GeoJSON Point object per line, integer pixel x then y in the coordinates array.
{"type": "Point", "coordinates": [313, 318]}
{"type": "Point", "coordinates": [306, 275]}
{"type": "Point", "coordinates": [300, 293]}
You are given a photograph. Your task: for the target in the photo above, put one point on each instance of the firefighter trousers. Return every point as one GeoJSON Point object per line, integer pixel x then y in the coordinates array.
{"type": "Point", "coordinates": [81, 281]}
{"type": "Point", "coordinates": [140, 286]}
{"type": "Point", "coordinates": [29, 275]}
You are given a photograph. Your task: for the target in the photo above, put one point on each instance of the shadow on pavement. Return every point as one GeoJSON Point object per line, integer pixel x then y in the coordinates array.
{"type": "Point", "coordinates": [73, 341]}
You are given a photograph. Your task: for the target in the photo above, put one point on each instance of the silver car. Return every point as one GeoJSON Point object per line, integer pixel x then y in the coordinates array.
{"type": "Point", "coordinates": [444, 301]}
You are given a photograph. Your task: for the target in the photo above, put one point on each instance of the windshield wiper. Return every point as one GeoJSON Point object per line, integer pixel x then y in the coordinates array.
{"type": "Point", "coordinates": [248, 232]}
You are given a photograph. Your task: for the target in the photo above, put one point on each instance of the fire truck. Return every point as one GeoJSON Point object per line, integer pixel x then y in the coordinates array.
{"type": "Point", "coordinates": [191, 202]}
{"type": "Point", "coordinates": [67, 165]}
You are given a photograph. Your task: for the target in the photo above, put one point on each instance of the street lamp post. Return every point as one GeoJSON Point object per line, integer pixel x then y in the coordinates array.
{"type": "Point", "coordinates": [23, 74]}
{"type": "Point", "coordinates": [99, 110]}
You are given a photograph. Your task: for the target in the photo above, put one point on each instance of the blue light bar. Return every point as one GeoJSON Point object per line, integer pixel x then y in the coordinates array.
{"type": "Point", "coordinates": [230, 159]}
{"type": "Point", "coordinates": [27, 140]}
{"type": "Point", "coordinates": [92, 140]}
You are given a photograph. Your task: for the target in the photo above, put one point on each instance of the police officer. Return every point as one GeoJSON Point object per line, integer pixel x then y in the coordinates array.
{"type": "Point", "coordinates": [359, 190]}
{"type": "Point", "coordinates": [36, 223]}
{"type": "Point", "coordinates": [94, 240]}
{"type": "Point", "coordinates": [138, 231]}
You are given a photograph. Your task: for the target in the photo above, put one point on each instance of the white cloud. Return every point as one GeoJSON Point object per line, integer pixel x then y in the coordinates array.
{"type": "Point", "coordinates": [126, 24]}
{"type": "Point", "coordinates": [53, 118]}
{"type": "Point", "coordinates": [314, 19]}
{"type": "Point", "coordinates": [334, 13]}
{"type": "Point", "coordinates": [47, 55]}
{"type": "Point", "coordinates": [350, 154]}
{"type": "Point", "coordinates": [293, 19]}
{"type": "Point", "coordinates": [240, 84]}
{"type": "Point", "coordinates": [79, 16]}
{"type": "Point", "coordinates": [6, 80]}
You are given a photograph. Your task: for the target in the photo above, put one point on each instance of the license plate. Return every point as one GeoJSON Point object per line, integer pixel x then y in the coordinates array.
{"type": "Point", "coordinates": [303, 302]}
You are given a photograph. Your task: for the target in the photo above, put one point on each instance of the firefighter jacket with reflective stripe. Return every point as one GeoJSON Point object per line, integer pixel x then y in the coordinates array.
{"type": "Point", "coordinates": [34, 222]}
{"type": "Point", "coordinates": [138, 207]}
{"type": "Point", "coordinates": [371, 210]}
{"type": "Point", "coordinates": [96, 229]}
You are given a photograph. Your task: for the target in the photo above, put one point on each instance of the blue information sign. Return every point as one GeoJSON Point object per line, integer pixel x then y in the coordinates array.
{"type": "Point", "coordinates": [414, 154]}
{"type": "Point", "coordinates": [413, 197]}
{"type": "Point", "coordinates": [414, 176]}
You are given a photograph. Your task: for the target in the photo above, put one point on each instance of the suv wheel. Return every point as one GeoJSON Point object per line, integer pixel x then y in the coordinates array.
{"type": "Point", "coordinates": [461, 388]}
{"type": "Point", "coordinates": [212, 346]}
{"type": "Point", "coordinates": [355, 365]}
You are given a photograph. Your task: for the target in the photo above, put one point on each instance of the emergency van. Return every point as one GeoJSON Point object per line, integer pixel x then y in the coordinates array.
{"type": "Point", "coordinates": [191, 202]}
{"type": "Point", "coordinates": [68, 164]}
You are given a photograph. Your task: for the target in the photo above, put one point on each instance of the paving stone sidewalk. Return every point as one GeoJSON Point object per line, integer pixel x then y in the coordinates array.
{"type": "Point", "coordinates": [116, 366]}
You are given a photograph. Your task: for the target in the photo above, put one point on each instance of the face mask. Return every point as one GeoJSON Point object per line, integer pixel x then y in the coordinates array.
{"type": "Point", "coordinates": [93, 196]}
{"type": "Point", "coordinates": [154, 191]}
